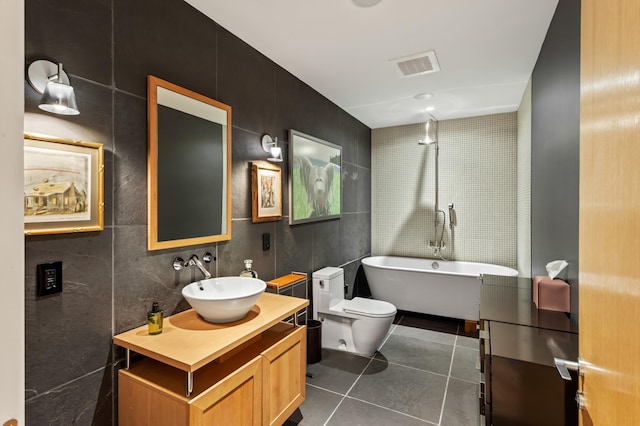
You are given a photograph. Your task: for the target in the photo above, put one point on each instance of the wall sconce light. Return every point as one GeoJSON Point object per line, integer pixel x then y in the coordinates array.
{"type": "Point", "coordinates": [271, 146]}
{"type": "Point", "coordinates": [51, 80]}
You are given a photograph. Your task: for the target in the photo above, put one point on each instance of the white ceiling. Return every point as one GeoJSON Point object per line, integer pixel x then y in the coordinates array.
{"type": "Point", "coordinates": [486, 49]}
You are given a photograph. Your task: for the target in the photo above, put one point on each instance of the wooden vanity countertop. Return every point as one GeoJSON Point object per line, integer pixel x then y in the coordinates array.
{"type": "Point", "coordinates": [188, 342]}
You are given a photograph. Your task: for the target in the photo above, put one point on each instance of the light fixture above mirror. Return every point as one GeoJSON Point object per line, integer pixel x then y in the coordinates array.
{"type": "Point", "coordinates": [50, 79]}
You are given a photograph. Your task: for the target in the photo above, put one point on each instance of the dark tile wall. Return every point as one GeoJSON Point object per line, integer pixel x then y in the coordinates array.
{"type": "Point", "coordinates": [555, 147]}
{"type": "Point", "coordinates": [110, 278]}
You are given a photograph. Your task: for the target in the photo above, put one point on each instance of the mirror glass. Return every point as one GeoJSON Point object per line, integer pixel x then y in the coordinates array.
{"type": "Point", "coordinates": [189, 167]}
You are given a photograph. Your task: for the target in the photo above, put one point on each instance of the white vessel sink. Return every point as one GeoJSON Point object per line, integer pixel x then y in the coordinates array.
{"type": "Point", "coordinates": [224, 299]}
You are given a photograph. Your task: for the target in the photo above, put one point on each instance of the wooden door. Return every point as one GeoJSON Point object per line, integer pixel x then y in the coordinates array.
{"type": "Point", "coordinates": [284, 367]}
{"type": "Point", "coordinates": [610, 212]}
{"type": "Point", "coordinates": [235, 400]}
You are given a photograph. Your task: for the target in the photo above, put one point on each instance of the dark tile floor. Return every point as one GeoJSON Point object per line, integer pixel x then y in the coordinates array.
{"type": "Point", "coordinates": [426, 373]}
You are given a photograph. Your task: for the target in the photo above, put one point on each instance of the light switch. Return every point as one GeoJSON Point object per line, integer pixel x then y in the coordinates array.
{"type": "Point", "coordinates": [49, 278]}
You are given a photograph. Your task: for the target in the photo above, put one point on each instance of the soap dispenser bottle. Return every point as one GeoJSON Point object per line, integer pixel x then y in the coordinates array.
{"type": "Point", "coordinates": [154, 317]}
{"type": "Point", "coordinates": [247, 271]}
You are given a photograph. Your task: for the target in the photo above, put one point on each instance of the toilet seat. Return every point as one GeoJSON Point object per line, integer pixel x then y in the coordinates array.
{"type": "Point", "coordinates": [369, 307]}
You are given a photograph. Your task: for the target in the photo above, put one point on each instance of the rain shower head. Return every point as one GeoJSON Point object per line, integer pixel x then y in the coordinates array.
{"type": "Point", "coordinates": [430, 133]}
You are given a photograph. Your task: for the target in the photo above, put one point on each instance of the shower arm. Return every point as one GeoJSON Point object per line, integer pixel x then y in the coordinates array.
{"type": "Point", "coordinates": [429, 141]}
{"type": "Point", "coordinates": [437, 204]}
{"type": "Point", "coordinates": [437, 148]}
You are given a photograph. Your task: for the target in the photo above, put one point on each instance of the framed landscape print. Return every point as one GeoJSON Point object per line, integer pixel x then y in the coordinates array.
{"type": "Point", "coordinates": [63, 185]}
{"type": "Point", "coordinates": [315, 179]}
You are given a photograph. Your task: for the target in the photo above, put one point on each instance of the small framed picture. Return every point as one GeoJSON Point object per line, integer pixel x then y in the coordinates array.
{"type": "Point", "coordinates": [266, 192]}
{"type": "Point", "coordinates": [63, 185]}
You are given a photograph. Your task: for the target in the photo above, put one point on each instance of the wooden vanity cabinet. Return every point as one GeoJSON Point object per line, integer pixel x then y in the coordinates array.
{"type": "Point", "coordinates": [520, 385]}
{"type": "Point", "coordinates": [259, 384]}
{"type": "Point", "coordinates": [153, 393]}
{"type": "Point", "coordinates": [523, 386]}
{"type": "Point", "coordinates": [259, 381]}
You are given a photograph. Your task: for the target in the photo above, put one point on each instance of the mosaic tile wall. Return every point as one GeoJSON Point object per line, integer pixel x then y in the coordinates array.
{"type": "Point", "coordinates": [524, 184]}
{"type": "Point", "coordinates": [477, 173]}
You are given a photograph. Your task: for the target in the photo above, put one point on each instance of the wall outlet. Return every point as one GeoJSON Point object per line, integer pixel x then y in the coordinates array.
{"type": "Point", "coordinates": [266, 241]}
{"type": "Point", "coordinates": [49, 278]}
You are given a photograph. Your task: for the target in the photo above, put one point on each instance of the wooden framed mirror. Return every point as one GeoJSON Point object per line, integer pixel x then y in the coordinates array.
{"type": "Point", "coordinates": [188, 167]}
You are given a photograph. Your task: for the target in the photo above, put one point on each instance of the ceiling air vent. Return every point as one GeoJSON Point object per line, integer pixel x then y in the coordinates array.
{"type": "Point", "coordinates": [421, 63]}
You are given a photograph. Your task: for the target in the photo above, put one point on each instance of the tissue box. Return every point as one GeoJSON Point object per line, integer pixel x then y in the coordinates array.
{"type": "Point", "coordinates": [552, 295]}
{"type": "Point", "coordinates": [557, 269]}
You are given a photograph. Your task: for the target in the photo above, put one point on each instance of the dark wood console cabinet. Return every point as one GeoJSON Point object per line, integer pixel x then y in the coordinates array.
{"type": "Point", "coordinates": [517, 345]}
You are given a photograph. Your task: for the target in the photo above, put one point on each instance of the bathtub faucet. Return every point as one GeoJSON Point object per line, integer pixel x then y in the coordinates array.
{"type": "Point", "coordinates": [439, 243]}
{"type": "Point", "coordinates": [436, 246]}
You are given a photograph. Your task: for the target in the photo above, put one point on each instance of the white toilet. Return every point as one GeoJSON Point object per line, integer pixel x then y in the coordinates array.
{"type": "Point", "coordinates": [358, 325]}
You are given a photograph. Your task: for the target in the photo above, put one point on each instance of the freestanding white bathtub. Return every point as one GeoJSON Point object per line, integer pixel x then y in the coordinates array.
{"type": "Point", "coordinates": [429, 286]}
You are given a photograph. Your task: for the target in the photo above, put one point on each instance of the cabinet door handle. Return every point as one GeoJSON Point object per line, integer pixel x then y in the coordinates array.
{"type": "Point", "coordinates": [563, 366]}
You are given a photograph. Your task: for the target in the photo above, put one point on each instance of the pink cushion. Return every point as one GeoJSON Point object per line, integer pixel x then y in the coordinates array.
{"type": "Point", "coordinates": [552, 295]}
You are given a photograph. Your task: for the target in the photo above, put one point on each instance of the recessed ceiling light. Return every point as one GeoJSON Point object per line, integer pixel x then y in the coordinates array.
{"type": "Point", "coordinates": [365, 3]}
{"type": "Point", "coordinates": [423, 96]}
{"type": "Point", "coordinates": [430, 108]}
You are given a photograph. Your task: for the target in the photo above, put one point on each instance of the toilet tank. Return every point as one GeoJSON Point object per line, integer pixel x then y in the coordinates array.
{"type": "Point", "coordinates": [328, 288]}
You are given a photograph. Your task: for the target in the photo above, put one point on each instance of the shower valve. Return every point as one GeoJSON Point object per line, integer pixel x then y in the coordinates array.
{"type": "Point", "coordinates": [437, 245]}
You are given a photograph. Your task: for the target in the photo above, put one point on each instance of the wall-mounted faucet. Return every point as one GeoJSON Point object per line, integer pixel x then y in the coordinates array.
{"type": "Point", "coordinates": [194, 261]}
{"type": "Point", "coordinates": [179, 264]}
